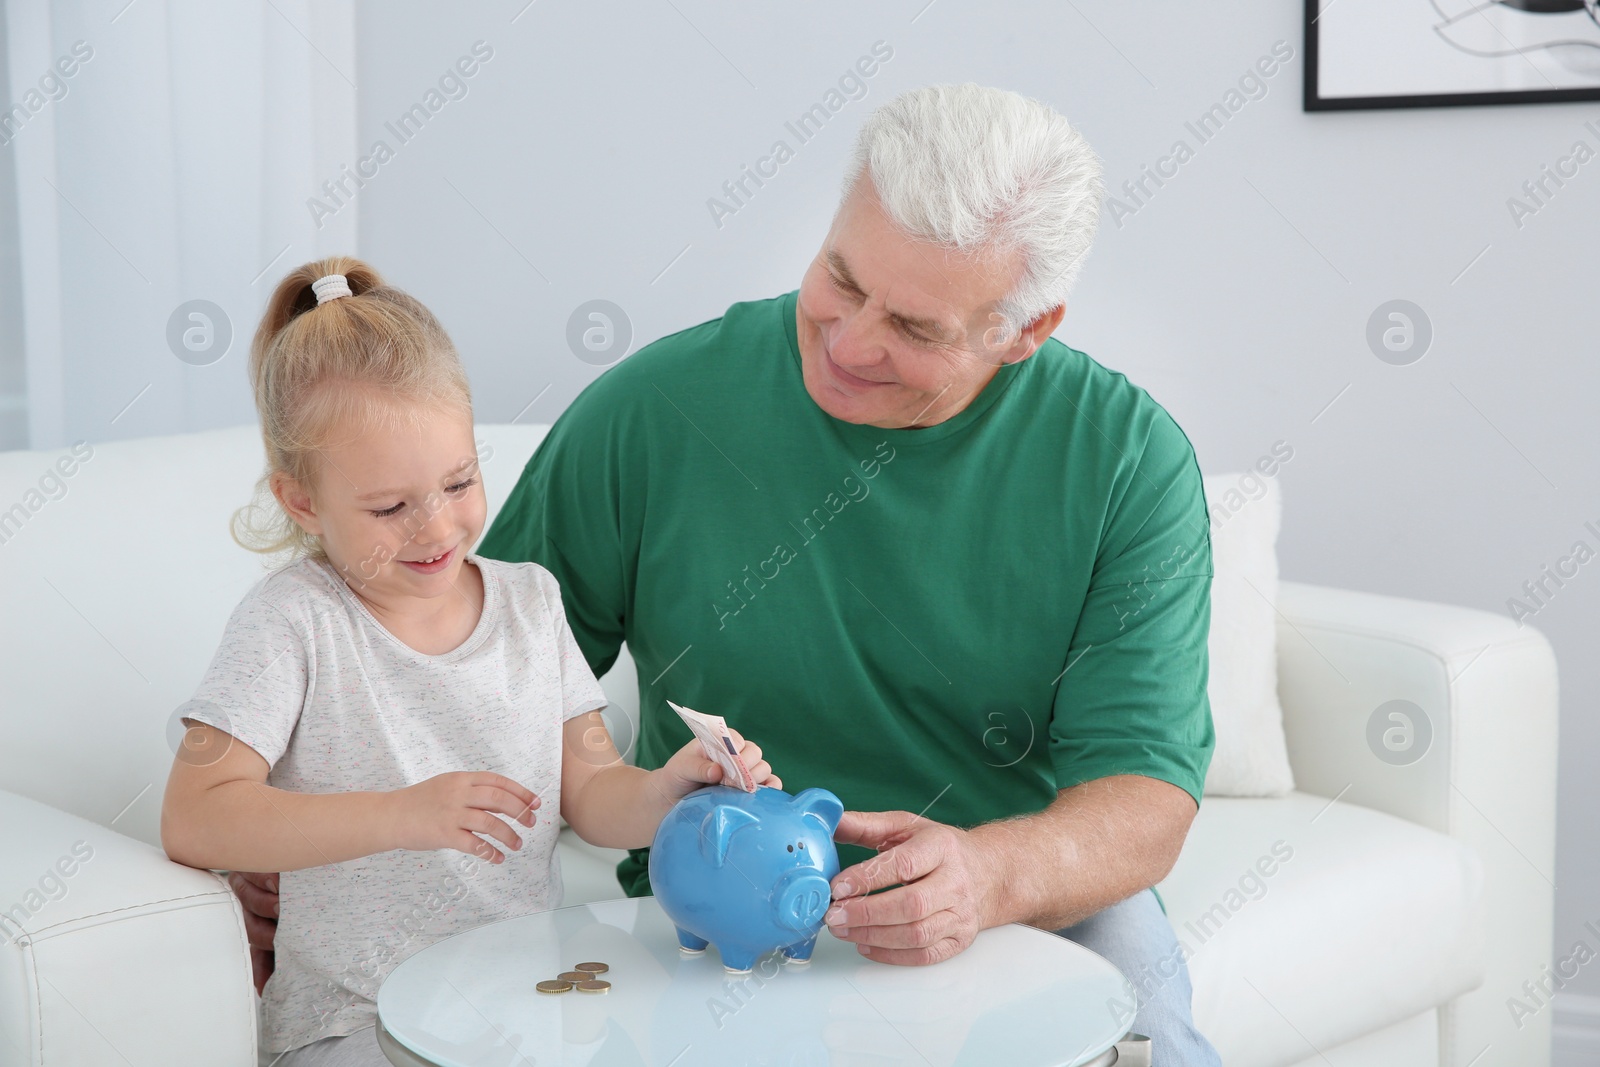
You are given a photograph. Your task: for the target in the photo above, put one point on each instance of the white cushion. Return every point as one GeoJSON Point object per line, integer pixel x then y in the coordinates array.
{"type": "Point", "coordinates": [1251, 757]}
{"type": "Point", "coordinates": [1369, 920]}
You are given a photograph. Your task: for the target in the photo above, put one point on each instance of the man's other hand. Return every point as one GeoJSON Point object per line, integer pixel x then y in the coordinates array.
{"type": "Point", "coordinates": [259, 895]}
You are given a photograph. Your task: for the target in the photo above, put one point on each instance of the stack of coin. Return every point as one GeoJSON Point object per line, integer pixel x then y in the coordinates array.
{"type": "Point", "coordinates": [584, 978]}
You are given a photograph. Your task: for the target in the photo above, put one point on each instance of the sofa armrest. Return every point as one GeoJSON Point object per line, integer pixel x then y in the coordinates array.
{"type": "Point", "coordinates": [1485, 691]}
{"type": "Point", "coordinates": [112, 954]}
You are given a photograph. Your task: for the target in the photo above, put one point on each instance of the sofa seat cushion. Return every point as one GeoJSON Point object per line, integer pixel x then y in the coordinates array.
{"type": "Point", "coordinates": [1308, 924]}
{"type": "Point", "coordinates": [588, 872]}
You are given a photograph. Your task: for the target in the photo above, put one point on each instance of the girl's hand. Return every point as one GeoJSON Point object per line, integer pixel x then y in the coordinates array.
{"type": "Point", "coordinates": [450, 811]}
{"type": "Point", "coordinates": [689, 769]}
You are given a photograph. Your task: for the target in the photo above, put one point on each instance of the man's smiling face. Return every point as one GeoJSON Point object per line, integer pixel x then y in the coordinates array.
{"type": "Point", "coordinates": [896, 332]}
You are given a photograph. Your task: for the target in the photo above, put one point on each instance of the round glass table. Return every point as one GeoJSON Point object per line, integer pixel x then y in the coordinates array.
{"type": "Point", "coordinates": [1017, 996]}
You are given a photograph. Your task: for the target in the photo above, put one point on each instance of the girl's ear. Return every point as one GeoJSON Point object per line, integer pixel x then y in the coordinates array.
{"type": "Point", "coordinates": [296, 502]}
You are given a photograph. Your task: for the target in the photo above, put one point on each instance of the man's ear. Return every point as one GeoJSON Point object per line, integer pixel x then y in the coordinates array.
{"type": "Point", "coordinates": [294, 499]}
{"type": "Point", "coordinates": [1033, 335]}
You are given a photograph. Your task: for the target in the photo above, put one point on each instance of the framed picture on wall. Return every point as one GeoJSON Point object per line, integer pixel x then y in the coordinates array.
{"type": "Point", "coordinates": [1439, 53]}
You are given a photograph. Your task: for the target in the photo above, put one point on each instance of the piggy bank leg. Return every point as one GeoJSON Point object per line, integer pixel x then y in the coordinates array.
{"type": "Point", "coordinates": [800, 953]}
{"type": "Point", "coordinates": [737, 960]}
{"type": "Point", "coordinates": [689, 944]}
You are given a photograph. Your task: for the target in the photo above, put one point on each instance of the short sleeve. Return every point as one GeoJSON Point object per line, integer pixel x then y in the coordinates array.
{"type": "Point", "coordinates": [1133, 697]}
{"type": "Point", "coordinates": [255, 687]}
{"type": "Point", "coordinates": [580, 690]}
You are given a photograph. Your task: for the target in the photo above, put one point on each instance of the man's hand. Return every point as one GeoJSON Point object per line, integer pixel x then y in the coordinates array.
{"type": "Point", "coordinates": [946, 895]}
{"type": "Point", "coordinates": [1097, 843]}
{"type": "Point", "coordinates": [259, 895]}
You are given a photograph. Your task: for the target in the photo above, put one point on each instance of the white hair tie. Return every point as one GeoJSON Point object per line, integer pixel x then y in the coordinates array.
{"type": "Point", "coordinates": [330, 287]}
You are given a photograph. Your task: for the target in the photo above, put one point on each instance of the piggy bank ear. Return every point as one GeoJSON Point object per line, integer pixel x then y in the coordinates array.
{"type": "Point", "coordinates": [718, 828]}
{"type": "Point", "coordinates": [820, 805]}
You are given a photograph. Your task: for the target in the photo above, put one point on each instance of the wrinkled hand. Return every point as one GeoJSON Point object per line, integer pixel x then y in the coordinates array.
{"type": "Point", "coordinates": [947, 886]}
{"type": "Point", "coordinates": [689, 769]}
{"type": "Point", "coordinates": [258, 894]}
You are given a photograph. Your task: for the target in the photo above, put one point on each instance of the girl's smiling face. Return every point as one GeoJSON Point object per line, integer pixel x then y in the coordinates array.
{"type": "Point", "coordinates": [397, 504]}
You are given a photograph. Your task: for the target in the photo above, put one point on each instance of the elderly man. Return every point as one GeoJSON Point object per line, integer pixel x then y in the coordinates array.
{"type": "Point", "coordinates": [933, 559]}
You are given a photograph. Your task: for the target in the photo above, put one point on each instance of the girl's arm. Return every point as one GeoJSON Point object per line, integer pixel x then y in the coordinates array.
{"type": "Point", "coordinates": [219, 813]}
{"type": "Point", "coordinates": [613, 805]}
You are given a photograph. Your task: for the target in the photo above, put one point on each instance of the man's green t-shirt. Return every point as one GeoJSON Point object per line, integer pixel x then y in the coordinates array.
{"type": "Point", "coordinates": [956, 621]}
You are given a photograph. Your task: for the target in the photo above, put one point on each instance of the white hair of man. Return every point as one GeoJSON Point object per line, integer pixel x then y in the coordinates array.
{"type": "Point", "coordinates": [977, 169]}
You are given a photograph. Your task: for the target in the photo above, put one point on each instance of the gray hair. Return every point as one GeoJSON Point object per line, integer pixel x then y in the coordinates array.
{"type": "Point", "coordinates": [973, 168]}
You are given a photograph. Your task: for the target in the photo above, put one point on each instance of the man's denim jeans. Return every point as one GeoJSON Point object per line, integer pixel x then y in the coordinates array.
{"type": "Point", "coordinates": [1136, 936]}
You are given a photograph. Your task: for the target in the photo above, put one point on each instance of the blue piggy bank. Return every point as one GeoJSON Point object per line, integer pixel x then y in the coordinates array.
{"type": "Point", "coordinates": [748, 872]}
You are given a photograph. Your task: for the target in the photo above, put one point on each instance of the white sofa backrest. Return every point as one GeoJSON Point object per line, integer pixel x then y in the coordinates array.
{"type": "Point", "coordinates": [117, 574]}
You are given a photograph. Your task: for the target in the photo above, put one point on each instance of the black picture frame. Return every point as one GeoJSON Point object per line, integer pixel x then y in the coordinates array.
{"type": "Point", "coordinates": [1312, 100]}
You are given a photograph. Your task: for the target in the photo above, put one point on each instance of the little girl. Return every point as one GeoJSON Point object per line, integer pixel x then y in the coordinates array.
{"type": "Point", "coordinates": [397, 701]}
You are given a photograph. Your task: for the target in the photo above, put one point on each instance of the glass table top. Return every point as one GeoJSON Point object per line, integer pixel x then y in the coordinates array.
{"type": "Point", "coordinates": [1017, 996]}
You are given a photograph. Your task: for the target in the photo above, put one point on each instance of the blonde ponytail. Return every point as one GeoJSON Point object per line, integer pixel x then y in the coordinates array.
{"type": "Point", "coordinates": [353, 360]}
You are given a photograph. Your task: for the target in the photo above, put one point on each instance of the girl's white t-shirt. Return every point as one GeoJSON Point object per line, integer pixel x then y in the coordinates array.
{"type": "Point", "coordinates": [334, 702]}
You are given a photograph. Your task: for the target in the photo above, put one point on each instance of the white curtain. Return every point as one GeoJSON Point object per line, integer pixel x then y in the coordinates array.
{"type": "Point", "coordinates": [172, 164]}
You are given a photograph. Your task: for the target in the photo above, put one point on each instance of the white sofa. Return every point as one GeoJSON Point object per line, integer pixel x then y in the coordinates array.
{"type": "Point", "coordinates": [1415, 900]}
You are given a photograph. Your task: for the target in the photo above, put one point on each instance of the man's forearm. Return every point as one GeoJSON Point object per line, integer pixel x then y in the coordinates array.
{"type": "Point", "coordinates": [1096, 844]}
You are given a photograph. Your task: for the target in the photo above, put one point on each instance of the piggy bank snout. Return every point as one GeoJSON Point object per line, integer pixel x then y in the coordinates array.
{"type": "Point", "coordinates": [802, 897]}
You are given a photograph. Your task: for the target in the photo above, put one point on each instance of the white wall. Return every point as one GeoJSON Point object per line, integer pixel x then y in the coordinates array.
{"type": "Point", "coordinates": [1238, 295]}
{"type": "Point", "coordinates": [159, 155]}
{"type": "Point", "coordinates": [13, 386]}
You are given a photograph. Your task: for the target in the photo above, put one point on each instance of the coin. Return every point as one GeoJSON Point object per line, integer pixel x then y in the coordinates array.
{"type": "Point", "coordinates": [574, 976]}
{"type": "Point", "coordinates": [593, 986]}
{"type": "Point", "coordinates": [593, 968]}
{"type": "Point", "coordinates": [553, 987]}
